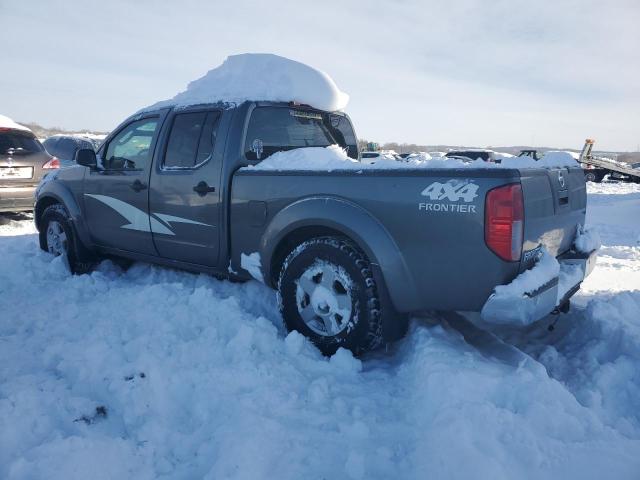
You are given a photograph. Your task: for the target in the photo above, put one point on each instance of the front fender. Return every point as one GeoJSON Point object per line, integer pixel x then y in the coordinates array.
{"type": "Point", "coordinates": [356, 223]}
{"type": "Point", "coordinates": [56, 191]}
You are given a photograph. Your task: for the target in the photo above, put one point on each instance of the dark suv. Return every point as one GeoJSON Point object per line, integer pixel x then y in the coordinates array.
{"type": "Point", "coordinates": [23, 163]}
{"type": "Point", "coordinates": [65, 147]}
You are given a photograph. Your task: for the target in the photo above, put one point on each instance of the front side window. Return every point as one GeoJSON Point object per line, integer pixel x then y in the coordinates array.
{"type": "Point", "coordinates": [131, 148]}
{"type": "Point", "coordinates": [192, 139]}
{"type": "Point", "coordinates": [275, 129]}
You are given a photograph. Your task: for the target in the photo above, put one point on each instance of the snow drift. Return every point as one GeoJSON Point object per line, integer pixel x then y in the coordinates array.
{"type": "Point", "coordinates": [262, 76]}
{"type": "Point", "coordinates": [197, 378]}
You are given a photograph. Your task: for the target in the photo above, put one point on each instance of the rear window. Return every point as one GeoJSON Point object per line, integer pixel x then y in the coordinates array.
{"type": "Point", "coordinates": [275, 129]}
{"type": "Point", "coordinates": [67, 148]}
{"type": "Point", "coordinates": [191, 140]}
{"type": "Point", "coordinates": [19, 143]}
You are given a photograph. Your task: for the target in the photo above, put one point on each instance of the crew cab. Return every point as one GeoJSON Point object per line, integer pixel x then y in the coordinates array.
{"type": "Point", "coordinates": [350, 252]}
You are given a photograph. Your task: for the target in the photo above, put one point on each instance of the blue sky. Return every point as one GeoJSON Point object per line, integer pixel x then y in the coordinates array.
{"type": "Point", "coordinates": [466, 72]}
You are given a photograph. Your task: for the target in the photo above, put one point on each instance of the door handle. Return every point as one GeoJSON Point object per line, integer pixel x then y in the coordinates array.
{"type": "Point", "coordinates": [202, 189]}
{"type": "Point", "coordinates": [137, 186]}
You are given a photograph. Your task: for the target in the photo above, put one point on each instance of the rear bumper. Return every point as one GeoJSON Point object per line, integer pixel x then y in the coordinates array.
{"type": "Point", "coordinates": [17, 199]}
{"type": "Point", "coordinates": [535, 305]}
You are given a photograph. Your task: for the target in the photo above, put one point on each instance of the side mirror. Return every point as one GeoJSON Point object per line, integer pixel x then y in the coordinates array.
{"type": "Point", "coordinates": [87, 158]}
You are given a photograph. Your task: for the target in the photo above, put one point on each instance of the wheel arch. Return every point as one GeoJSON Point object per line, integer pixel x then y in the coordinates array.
{"type": "Point", "coordinates": [322, 216]}
{"type": "Point", "coordinates": [53, 193]}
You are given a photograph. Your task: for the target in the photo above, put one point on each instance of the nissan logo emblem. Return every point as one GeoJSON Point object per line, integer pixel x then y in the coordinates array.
{"type": "Point", "coordinates": [561, 179]}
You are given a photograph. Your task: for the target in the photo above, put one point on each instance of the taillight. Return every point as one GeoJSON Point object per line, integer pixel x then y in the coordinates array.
{"type": "Point", "coordinates": [503, 221]}
{"type": "Point", "coordinates": [53, 163]}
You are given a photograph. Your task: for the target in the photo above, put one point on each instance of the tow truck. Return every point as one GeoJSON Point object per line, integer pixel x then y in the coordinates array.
{"type": "Point", "coordinates": [597, 167]}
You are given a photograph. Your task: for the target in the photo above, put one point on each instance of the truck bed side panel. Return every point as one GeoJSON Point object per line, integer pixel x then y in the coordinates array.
{"type": "Point", "coordinates": [426, 212]}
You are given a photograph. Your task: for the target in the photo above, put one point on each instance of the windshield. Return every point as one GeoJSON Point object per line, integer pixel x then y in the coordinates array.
{"type": "Point", "coordinates": [275, 129]}
{"type": "Point", "coordinates": [19, 143]}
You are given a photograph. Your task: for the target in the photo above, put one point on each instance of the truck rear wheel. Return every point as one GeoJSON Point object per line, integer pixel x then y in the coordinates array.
{"type": "Point", "coordinates": [328, 293]}
{"type": "Point", "coordinates": [58, 238]}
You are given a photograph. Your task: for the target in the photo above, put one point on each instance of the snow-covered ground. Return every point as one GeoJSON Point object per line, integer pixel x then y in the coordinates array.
{"type": "Point", "coordinates": [154, 373]}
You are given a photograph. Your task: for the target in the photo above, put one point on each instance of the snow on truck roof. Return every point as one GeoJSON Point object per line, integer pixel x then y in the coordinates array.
{"type": "Point", "coordinates": [6, 122]}
{"type": "Point", "coordinates": [261, 77]}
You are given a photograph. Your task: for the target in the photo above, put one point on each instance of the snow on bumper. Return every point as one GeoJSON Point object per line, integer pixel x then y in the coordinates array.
{"type": "Point", "coordinates": [537, 292]}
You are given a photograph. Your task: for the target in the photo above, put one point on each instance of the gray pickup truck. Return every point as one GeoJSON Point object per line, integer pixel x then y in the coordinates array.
{"type": "Point", "coordinates": [350, 252]}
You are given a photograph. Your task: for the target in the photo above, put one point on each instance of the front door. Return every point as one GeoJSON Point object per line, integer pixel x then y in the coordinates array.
{"type": "Point", "coordinates": [184, 199]}
{"type": "Point", "coordinates": [116, 196]}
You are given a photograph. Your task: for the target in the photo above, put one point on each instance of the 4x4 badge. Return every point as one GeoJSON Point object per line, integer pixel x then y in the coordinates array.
{"type": "Point", "coordinates": [453, 190]}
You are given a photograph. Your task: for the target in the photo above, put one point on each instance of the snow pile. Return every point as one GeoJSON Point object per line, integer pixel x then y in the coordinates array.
{"type": "Point", "coordinates": [198, 379]}
{"type": "Point", "coordinates": [502, 155]}
{"type": "Point", "coordinates": [6, 122]}
{"type": "Point", "coordinates": [532, 294]}
{"type": "Point", "coordinates": [587, 240]}
{"type": "Point", "coordinates": [420, 157]}
{"type": "Point", "coordinates": [550, 159]}
{"type": "Point", "coordinates": [546, 269]}
{"type": "Point", "coordinates": [261, 76]}
{"type": "Point", "coordinates": [252, 264]}
{"type": "Point", "coordinates": [311, 158]}
{"type": "Point", "coordinates": [335, 158]}
{"type": "Point", "coordinates": [382, 155]}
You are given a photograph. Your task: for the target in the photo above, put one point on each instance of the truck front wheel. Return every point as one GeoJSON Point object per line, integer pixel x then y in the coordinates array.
{"type": "Point", "coordinates": [327, 292]}
{"type": "Point", "coordinates": [58, 238]}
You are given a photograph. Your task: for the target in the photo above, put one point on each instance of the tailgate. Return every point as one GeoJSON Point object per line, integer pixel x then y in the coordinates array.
{"type": "Point", "coordinates": [555, 202]}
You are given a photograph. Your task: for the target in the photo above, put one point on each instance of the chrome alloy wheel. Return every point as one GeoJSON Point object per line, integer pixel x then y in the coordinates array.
{"type": "Point", "coordinates": [323, 297]}
{"type": "Point", "coordinates": [57, 242]}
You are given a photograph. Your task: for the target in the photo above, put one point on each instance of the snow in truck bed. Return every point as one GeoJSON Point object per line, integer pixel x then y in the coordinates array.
{"type": "Point", "coordinates": [334, 158]}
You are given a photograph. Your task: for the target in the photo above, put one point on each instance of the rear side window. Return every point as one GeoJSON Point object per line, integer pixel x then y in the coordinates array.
{"type": "Point", "coordinates": [275, 129]}
{"type": "Point", "coordinates": [344, 132]}
{"type": "Point", "coordinates": [18, 143]}
{"type": "Point", "coordinates": [191, 140]}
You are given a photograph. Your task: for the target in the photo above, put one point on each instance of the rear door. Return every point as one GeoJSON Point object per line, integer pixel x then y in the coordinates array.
{"type": "Point", "coordinates": [116, 196]}
{"type": "Point", "coordinates": [185, 188]}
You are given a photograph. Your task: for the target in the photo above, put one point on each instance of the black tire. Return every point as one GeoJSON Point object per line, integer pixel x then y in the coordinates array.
{"type": "Point", "coordinates": [79, 258]}
{"type": "Point", "coordinates": [364, 329]}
